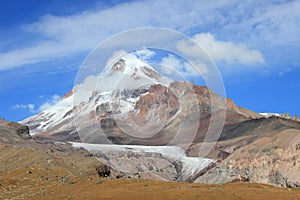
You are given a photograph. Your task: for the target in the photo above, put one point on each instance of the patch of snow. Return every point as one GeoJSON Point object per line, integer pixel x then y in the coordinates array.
{"type": "Point", "coordinates": [270, 114]}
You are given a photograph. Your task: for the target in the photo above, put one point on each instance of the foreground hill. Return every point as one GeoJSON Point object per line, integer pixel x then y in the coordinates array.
{"type": "Point", "coordinates": [12, 132]}
{"type": "Point", "coordinates": [28, 174]}
{"type": "Point", "coordinates": [43, 169]}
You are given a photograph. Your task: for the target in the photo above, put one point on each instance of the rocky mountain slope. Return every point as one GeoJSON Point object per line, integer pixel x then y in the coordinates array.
{"type": "Point", "coordinates": [262, 150]}
{"type": "Point", "coordinates": [114, 89]}
{"type": "Point", "coordinates": [131, 96]}
{"type": "Point", "coordinates": [250, 147]}
{"type": "Point", "coordinates": [12, 132]}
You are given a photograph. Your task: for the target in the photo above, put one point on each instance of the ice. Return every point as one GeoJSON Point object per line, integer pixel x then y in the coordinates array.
{"type": "Point", "coordinates": [190, 165]}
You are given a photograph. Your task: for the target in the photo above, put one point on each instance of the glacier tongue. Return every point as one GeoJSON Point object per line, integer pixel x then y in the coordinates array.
{"type": "Point", "coordinates": [189, 165]}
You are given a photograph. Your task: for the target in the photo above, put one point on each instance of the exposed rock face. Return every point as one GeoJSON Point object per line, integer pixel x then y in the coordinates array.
{"type": "Point", "coordinates": [169, 105]}
{"type": "Point", "coordinates": [119, 66]}
{"type": "Point", "coordinates": [243, 111]}
{"type": "Point", "coordinates": [150, 72]}
{"type": "Point", "coordinates": [159, 101]}
{"type": "Point", "coordinates": [182, 103]}
{"type": "Point", "coordinates": [13, 132]}
{"type": "Point", "coordinates": [145, 165]}
{"type": "Point", "coordinates": [270, 156]}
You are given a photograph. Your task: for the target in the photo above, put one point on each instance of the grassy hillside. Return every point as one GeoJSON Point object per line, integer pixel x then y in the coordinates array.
{"type": "Point", "coordinates": [32, 174]}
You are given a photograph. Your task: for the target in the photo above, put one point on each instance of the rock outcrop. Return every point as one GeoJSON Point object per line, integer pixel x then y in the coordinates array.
{"type": "Point", "coordinates": [13, 132]}
{"type": "Point", "coordinates": [271, 157]}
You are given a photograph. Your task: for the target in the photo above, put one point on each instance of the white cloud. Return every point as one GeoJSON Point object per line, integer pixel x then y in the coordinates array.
{"type": "Point", "coordinates": [267, 22]}
{"type": "Point", "coordinates": [82, 32]}
{"type": "Point", "coordinates": [116, 54]}
{"type": "Point", "coordinates": [222, 51]}
{"type": "Point", "coordinates": [284, 71]}
{"type": "Point", "coordinates": [30, 107]}
{"type": "Point", "coordinates": [49, 103]}
{"type": "Point", "coordinates": [172, 65]}
{"type": "Point", "coordinates": [255, 22]}
{"type": "Point", "coordinates": [144, 54]}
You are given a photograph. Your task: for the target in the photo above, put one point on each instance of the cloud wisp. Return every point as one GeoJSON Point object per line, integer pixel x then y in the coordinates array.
{"type": "Point", "coordinates": [32, 107]}
{"type": "Point", "coordinates": [49, 103]}
{"type": "Point", "coordinates": [250, 22]}
{"type": "Point", "coordinates": [223, 51]}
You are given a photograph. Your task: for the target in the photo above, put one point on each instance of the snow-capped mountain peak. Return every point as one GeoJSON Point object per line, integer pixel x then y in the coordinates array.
{"type": "Point", "coordinates": [113, 89]}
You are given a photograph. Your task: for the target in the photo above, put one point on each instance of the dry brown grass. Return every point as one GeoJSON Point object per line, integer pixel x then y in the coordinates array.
{"type": "Point", "coordinates": [28, 174]}
{"type": "Point", "coordinates": [21, 185]}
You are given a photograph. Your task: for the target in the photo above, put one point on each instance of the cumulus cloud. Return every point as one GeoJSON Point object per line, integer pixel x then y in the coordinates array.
{"type": "Point", "coordinates": [30, 107]}
{"type": "Point", "coordinates": [222, 51]}
{"type": "Point", "coordinates": [144, 54]}
{"type": "Point", "coordinates": [175, 66]}
{"type": "Point", "coordinates": [49, 103]}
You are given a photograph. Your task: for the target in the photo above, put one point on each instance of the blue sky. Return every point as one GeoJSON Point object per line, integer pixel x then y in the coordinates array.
{"type": "Point", "coordinates": [255, 44]}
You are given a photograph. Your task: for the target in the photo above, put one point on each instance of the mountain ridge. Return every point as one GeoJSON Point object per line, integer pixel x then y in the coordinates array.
{"type": "Point", "coordinates": [117, 94]}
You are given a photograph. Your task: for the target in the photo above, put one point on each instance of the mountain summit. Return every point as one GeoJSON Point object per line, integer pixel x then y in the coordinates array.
{"type": "Point", "coordinates": [115, 88]}
{"type": "Point", "coordinates": [132, 103]}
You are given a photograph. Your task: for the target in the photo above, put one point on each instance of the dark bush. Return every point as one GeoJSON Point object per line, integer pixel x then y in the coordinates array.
{"type": "Point", "coordinates": [103, 170]}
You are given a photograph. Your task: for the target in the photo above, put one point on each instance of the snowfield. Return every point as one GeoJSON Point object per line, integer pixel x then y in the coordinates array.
{"type": "Point", "coordinates": [270, 114]}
